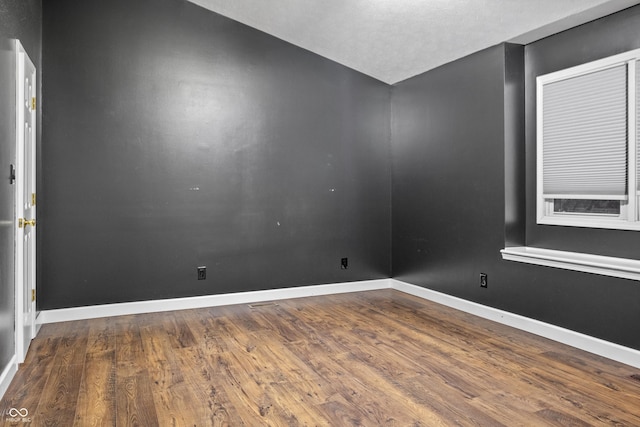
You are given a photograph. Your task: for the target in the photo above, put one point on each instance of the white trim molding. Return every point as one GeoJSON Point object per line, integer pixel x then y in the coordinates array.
{"type": "Point", "coordinates": [139, 307]}
{"type": "Point", "coordinates": [624, 268]}
{"type": "Point", "coordinates": [597, 346]}
{"type": "Point", "coordinates": [584, 342]}
{"type": "Point", "coordinates": [7, 375]}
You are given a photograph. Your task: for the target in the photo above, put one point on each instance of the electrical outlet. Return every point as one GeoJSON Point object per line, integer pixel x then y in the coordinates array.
{"type": "Point", "coordinates": [202, 273]}
{"type": "Point", "coordinates": [484, 281]}
{"type": "Point", "coordinates": [344, 263]}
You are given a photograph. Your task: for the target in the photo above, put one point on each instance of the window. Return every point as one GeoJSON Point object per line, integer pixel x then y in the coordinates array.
{"type": "Point", "coordinates": [588, 128]}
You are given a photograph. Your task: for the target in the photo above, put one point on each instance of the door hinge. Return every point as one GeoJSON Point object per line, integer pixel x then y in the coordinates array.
{"type": "Point", "coordinates": [33, 199]}
{"type": "Point", "coordinates": [33, 103]}
{"type": "Point", "coordinates": [33, 295]}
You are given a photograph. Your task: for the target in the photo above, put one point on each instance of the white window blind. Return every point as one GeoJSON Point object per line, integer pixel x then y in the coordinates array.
{"type": "Point", "coordinates": [585, 136]}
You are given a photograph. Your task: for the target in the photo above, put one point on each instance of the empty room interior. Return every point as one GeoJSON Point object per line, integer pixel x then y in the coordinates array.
{"type": "Point", "coordinates": [319, 212]}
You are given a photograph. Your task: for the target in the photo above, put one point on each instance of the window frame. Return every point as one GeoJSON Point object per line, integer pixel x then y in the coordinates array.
{"type": "Point", "coordinates": [629, 218]}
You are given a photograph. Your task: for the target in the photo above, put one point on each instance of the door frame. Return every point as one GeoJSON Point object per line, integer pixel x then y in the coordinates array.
{"type": "Point", "coordinates": [23, 322]}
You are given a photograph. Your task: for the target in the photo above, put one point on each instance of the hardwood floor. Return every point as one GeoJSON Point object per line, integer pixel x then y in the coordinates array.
{"type": "Point", "coordinates": [371, 358]}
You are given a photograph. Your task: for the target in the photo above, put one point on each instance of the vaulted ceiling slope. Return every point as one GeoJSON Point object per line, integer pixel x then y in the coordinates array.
{"type": "Point", "coordinates": [392, 40]}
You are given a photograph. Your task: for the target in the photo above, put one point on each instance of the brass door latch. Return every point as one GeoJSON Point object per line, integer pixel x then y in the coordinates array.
{"type": "Point", "coordinates": [24, 222]}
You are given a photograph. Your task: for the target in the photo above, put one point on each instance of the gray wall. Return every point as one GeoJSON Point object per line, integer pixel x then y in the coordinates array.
{"type": "Point", "coordinates": [451, 191]}
{"type": "Point", "coordinates": [18, 19]}
{"type": "Point", "coordinates": [174, 137]}
{"type": "Point", "coordinates": [448, 142]}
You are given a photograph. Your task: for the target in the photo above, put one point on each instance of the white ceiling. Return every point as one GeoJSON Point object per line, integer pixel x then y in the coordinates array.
{"type": "Point", "coordinates": [393, 40]}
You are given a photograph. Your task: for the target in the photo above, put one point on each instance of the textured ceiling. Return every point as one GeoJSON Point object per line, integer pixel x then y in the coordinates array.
{"type": "Point", "coordinates": [393, 40]}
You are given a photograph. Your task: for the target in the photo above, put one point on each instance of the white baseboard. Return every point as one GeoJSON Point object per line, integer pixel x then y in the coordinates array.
{"type": "Point", "coordinates": [584, 342]}
{"type": "Point", "coordinates": [588, 343]}
{"type": "Point", "coordinates": [7, 375]}
{"type": "Point", "coordinates": [107, 310]}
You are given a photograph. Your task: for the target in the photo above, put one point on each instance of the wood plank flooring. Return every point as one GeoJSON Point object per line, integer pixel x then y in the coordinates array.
{"type": "Point", "coordinates": [379, 358]}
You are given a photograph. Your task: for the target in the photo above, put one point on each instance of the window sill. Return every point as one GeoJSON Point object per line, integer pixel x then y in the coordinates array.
{"type": "Point", "coordinates": [597, 264]}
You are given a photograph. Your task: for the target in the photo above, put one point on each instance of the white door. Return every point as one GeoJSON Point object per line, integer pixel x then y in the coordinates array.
{"type": "Point", "coordinates": [25, 202]}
